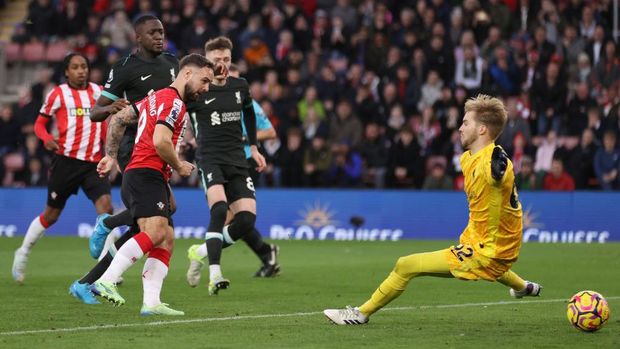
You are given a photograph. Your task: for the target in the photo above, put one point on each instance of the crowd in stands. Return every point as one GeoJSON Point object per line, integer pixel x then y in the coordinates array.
{"type": "Point", "coordinates": [367, 93]}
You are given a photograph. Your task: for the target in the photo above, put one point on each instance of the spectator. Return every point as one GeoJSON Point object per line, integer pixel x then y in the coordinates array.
{"type": "Point", "coordinates": [195, 36]}
{"type": "Point", "coordinates": [346, 169]}
{"type": "Point", "coordinates": [544, 153]}
{"type": "Point", "coordinates": [406, 165]}
{"type": "Point", "coordinates": [40, 21]}
{"type": "Point", "coordinates": [514, 125]}
{"type": "Point", "coordinates": [10, 131]}
{"type": "Point", "coordinates": [290, 160]}
{"type": "Point", "coordinates": [607, 70]}
{"type": "Point", "coordinates": [557, 179]}
{"type": "Point", "coordinates": [374, 152]}
{"type": "Point", "coordinates": [431, 90]}
{"type": "Point", "coordinates": [548, 98]}
{"type": "Point", "coordinates": [577, 111]}
{"type": "Point", "coordinates": [596, 47]}
{"type": "Point", "coordinates": [345, 129]}
{"type": "Point", "coordinates": [36, 176]}
{"type": "Point", "coordinates": [317, 161]}
{"type": "Point", "coordinates": [469, 71]}
{"type": "Point", "coordinates": [582, 72]}
{"type": "Point", "coordinates": [570, 46]}
{"type": "Point", "coordinates": [607, 162]}
{"type": "Point", "coordinates": [438, 179]}
{"type": "Point", "coordinates": [71, 20]}
{"type": "Point", "coordinates": [310, 101]}
{"type": "Point", "coordinates": [119, 31]}
{"type": "Point", "coordinates": [580, 160]}
{"type": "Point", "coordinates": [527, 179]}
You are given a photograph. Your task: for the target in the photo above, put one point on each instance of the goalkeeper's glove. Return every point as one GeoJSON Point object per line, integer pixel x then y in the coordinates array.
{"type": "Point", "coordinates": [499, 162]}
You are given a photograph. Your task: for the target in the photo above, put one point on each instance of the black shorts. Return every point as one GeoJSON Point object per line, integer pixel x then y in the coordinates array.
{"type": "Point", "coordinates": [68, 175]}
{"type": "Point", "coordinates": [237, 182]}
{"type": "Point", "coordinates": [146, 193]}
{"type": "Point", "coordinates": [252, 170]}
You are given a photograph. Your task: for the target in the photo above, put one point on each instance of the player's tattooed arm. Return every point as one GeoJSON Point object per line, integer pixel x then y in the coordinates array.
{"type": "Point", "coordinates": [126, 117]}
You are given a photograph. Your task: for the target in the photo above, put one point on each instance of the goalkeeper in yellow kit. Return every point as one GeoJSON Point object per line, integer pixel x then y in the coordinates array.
{"type": "Point", "coordinates": [490, 243]}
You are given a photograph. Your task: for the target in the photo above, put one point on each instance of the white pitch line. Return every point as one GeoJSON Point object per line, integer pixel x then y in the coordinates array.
{"type": "Point", "coordinates": [263, 316]}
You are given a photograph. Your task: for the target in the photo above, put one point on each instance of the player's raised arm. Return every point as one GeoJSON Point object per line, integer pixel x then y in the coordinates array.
{"type": "Point", "coordinates": [499, 162]}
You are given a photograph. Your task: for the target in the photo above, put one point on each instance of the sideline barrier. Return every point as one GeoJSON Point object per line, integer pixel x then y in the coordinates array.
{"type": "Point", "coordinates": [577, 217]}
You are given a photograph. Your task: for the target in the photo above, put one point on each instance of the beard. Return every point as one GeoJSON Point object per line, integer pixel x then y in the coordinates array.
{"type": "Point", "coordinates": [190, 94]}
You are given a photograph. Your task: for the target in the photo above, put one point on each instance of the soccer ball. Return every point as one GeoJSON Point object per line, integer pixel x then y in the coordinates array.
{"type": "Point", "coordinates": [588, 311]}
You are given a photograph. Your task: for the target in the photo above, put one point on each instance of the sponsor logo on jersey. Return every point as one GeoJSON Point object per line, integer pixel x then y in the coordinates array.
{"type": "Point", "coordinates": [215, 119]}
{"type": "Point", "coordinates": [79, 112]}
{"type": "Point", "coordinates": [233, 116]}
{"type": "Point", "coordinates": [318, 223]}
{"type": "Point", "coordinates": [145, 77]}
{"type": "Point", "coordinates": [207, 101]}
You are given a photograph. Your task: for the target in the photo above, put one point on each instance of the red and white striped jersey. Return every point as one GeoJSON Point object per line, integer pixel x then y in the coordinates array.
{"type": "Point", "coordinates": [163, 107]}
{"type": "Point", "coordinates": [78, 136]}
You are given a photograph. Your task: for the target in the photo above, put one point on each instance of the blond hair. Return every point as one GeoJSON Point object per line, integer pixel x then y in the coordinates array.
{"type": "Point", "coordinates": [489, 111]}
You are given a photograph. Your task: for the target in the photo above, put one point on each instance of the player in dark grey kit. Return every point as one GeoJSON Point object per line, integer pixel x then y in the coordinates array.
{"type": "Point", "coordinates": [222, 165]}
{"type": "Point", "coordinates": [131, 79]}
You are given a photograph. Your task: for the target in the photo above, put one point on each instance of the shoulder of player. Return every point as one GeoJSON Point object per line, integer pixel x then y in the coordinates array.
{"type": "Point", "coordinates": [170, 58]}
{"type": "Point", "coordinates": [125, 62]}
{"type": "Point", "coordinates": [237, 82]}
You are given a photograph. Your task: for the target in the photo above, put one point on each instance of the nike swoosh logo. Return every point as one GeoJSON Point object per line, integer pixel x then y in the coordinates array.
{"type": "Point", "coordinates": [145, 77]}
{"type": "Point", "coordinates": [209, 100]}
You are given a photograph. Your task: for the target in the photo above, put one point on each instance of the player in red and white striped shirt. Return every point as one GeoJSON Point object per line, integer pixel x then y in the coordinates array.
{"type": "Point", "coordinates": [78, 147]}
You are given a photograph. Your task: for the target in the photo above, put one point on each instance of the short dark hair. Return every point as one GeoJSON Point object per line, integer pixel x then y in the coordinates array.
{"type": "Point", "coordinates": [143, 19]}
{"type": "Point", "coordinates": [197, 60]}
{"type": "Point", "coordinates": [219, 43]}
{"type": "Point", "coordinates": [67, 60]}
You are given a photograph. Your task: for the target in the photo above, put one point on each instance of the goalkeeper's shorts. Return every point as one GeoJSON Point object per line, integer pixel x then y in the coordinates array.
{"type": "Point", "coordinates": [468, 264]}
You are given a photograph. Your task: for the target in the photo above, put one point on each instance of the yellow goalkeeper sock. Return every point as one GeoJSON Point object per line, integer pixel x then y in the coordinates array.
{"type": "Point", "coordinates": [512, 280]}
{"type": "Point", "coordinates": [430, 263]}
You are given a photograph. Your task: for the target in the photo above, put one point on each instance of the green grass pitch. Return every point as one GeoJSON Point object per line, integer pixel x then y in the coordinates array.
{"type": "Point", "coordinates": [285, 312]}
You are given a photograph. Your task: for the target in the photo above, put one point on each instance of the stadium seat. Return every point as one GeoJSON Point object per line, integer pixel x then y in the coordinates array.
{"type": "Point", "coordinates": [33, 52]}
{"type": "Point", "coordinates": [56, 51]}
{"type": "Point", "coordinates": [12, 52]}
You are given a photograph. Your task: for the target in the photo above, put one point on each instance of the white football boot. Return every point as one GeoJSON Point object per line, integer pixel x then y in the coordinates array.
{"type": "Point", "coordinates": [346, 316]}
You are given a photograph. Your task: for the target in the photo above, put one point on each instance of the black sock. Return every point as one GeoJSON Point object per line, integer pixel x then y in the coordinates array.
{"type": "Point", "coordinates": [256, 243]}
{"type": "Point", "coordinates": [95, 273]}
{"type": "Point", "coordinates": [119, 219]}
{"type": "Point", "coordinates": [214, 232]}
{"type": "Point", "coordinates": [214, 250]}
{"type": "Point", "coordinates": [241, 225]}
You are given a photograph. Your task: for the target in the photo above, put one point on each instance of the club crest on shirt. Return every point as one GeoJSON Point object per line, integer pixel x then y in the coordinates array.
{"type": "Point", "coordinates": [172, 74]}
{"type": "Point", "coordinates": [238, 96]}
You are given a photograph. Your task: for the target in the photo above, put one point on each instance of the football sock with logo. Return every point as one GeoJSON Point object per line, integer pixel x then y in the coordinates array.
{"type": "Point", "coordinates": [119, 219]}
{"type": "Point", "coordinates": [127, 255]}
{"type": "Point", "coordinates": [33, 234]}
{"type": "Point", "coordinates": [429, 263]}
{"type": "Point", "coordinates": [255, 241]}
{"type": "Point", "coordinates": [95, 273]}
{"type": "Point", "coordinates": [512, 280]}
{"type": "Point", "coordinates": [153, 275]}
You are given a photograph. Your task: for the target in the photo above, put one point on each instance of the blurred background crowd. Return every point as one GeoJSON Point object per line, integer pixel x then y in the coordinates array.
{"type": "Point", "coordinates": [362, 93]}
